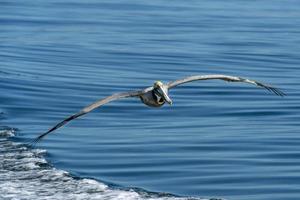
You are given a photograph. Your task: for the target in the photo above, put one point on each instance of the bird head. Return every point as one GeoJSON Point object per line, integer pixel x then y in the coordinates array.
{"type": "Point", "coordinates": [161, 90]}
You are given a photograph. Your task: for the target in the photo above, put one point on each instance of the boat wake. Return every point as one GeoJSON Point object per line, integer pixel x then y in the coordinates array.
{"type": "Point", "coordinates": [25, 174]}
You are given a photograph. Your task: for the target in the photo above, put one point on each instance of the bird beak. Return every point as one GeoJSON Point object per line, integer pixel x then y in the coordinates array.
{"type": "Point", "coordinates": [162, 91]}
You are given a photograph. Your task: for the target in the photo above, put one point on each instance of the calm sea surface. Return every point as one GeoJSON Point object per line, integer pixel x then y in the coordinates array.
{"type": "Point", "coordinates": [218, 140]}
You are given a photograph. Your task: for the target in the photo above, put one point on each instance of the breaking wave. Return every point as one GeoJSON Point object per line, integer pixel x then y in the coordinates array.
{"type": "Point", "coordinates": [24, 173]}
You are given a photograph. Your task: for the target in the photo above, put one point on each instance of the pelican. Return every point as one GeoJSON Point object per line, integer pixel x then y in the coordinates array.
{"type": "Point", "coordinates": [156, 96]}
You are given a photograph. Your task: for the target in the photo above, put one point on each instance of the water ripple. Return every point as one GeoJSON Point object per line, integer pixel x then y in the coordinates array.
{"type": "Point", "coordinates": [228, 140]}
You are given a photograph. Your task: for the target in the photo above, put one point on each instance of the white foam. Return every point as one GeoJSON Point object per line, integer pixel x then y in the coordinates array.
{"type": "Point", "coordinates": [24, 173]}
{"type": "Point", "coordinates": [7, 133]}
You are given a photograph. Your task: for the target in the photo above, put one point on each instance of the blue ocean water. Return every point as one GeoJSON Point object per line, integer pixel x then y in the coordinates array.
{"type": "Point", "coordinates": [217, 140]}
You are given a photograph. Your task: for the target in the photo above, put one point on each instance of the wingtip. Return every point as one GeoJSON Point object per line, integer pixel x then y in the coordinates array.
{"type": "Point", "coordinates": [277, 91]}
{"type": "Point", "coordinates": [34, 142]}
{"type": "Point", "coordinates": [272, 89]}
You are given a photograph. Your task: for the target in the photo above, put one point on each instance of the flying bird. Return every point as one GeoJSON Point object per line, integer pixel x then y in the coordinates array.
{"type": "Point", "coordinates": [156, 96]}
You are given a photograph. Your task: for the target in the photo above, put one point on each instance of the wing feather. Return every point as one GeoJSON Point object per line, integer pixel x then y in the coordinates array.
{"type": "Point", "coordinates": [225, 78]}
{"type": "Point", "coordinates": [89, 109]}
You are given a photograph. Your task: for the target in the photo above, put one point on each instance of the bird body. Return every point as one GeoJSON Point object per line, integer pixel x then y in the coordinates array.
{"type": "Point", "coordinates": [156, 96]}
{"type": "Point", "coordinates": [150, 99]}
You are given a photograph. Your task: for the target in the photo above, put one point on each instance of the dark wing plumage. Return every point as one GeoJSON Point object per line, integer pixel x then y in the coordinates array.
{"type": "Point", "coordinates": [89, 109]}
{"type": "Point", "coordinates": [225, 78]}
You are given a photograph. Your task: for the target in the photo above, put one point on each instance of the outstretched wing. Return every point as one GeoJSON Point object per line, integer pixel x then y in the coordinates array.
{"type": "Point", "coordinates": [89, 109]}
{"type": "Point", "coordinates": [224, 78]}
